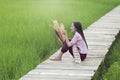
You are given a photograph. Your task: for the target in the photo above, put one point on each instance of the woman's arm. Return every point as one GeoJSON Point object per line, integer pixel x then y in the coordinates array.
{"type": "Point", "coordinates": [75, 38]}
{"type": "Point", "coordinates": [66, 38]}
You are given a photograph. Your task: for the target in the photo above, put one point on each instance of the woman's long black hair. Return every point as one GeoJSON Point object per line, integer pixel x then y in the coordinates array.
{"type": "Point", "coordinates": [78, 27]}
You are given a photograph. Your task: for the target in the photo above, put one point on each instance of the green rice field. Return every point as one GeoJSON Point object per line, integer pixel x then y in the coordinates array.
{"type": "Point", "coordinates": [26, 34]}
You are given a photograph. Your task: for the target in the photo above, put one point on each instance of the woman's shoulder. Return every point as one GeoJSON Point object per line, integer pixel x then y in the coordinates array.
{"type": "Point", "coordinates": [78, 35]}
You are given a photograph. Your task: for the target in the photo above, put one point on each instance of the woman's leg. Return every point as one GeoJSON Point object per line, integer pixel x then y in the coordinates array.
{"type": "Point", "coordinates": [83, 56]}
{"type": "Point", "coordinates": [71, 51]}
{"type": "Point", "coordinates": [64, 49]}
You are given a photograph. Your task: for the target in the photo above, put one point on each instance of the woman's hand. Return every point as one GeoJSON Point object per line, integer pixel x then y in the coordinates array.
{"type": "Point", "coordinates": [66, 37]}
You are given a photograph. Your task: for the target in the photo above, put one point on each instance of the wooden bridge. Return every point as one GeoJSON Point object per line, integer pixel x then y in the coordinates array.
{"type": "Point", "coordinates": [99, 36]}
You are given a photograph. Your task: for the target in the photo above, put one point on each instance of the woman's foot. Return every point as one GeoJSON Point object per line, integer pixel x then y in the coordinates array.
{"type": "Point", "coordinates": [77, 62]}
{"type": "Point", "coordinates": [56, 59]}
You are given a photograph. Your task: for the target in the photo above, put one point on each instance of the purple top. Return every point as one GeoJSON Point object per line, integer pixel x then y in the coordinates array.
{"type": "Point", "coordinates": [79, 42]}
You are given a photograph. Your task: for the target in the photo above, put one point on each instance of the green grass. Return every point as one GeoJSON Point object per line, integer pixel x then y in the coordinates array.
{"type": "Point", "coordinates": [26, 37]}
{"type": "Point", "coordinates": [110, 67]}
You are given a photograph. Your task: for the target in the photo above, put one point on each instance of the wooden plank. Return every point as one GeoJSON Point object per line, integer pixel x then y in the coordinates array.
{"type": "Point", "coordinates": [102, 27]}
{"type": "Point", "coordinates": [52, 72]}
{"type": "Point", "coordinates": [99, 43]}
{"type": "Point", "coordinates": [111, 20]}
{"type": "Point", "coordinates": [99, 36]}
{"type": "Point", "coordinates": [103, 33]}
{"type": "Point", "coordinates": [99, 40]}
{"type": "Point", "coordinates": [74, 66]}
{"type": "Point", "coordinates": [66, 74]}
{"type": "Point", "coordinates": [58, 77]}
{"type": "Point", "coordinates": [99, 29]}
{"type": "Point", "coordinates": [69, 63]}
{"type": "Point", "coordinates": [106, 25]}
